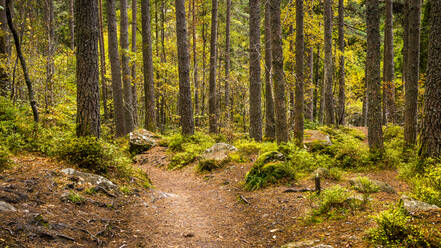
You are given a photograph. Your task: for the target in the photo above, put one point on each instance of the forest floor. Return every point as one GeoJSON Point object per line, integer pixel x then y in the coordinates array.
{"type": "Point", "coordinates": [184, 209]}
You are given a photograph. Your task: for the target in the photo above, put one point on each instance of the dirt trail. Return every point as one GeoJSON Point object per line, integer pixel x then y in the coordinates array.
{"type": "Point", "coordinates": [186, 211]}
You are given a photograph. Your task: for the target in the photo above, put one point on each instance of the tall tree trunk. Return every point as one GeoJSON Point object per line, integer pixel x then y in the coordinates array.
{"type": "Point", "coordinates": [227, 60]}
{"type": "Point", "coordinates": [292, 82]}
{"type": "Point", "coordinates": [185, 105]}
{"type": "Point", "coordinates": [388, 67]}
{"type": "Point", "coordinates": [212, 101]}
{"type": "Point", "coordinates": [375, 133]}
{"type": "Point", "coordinates": [278, 77]}
{"type": "Point", "coordinates": [127, 86]}
{"type": "Point", "coordinates": [72, 25]}
{"type": "Point", "coordinates": [321, 84]}
{"type": "Point", "coordinates": [270, 129]}
{"type": "Point", "coordinates": [300, 51]}
{"type": "Point", "coordinates": [411, 84]}
{"type": "Point", "coordinates": [50, 66]}
{"type": "Point", "coordinates": [329, 98]}
{"type": "Point", "coordinates": [405, 38]}
{"type": "Point", "coordinates": [148, 67]}
{"type": "Point", "coordinates": [204, 46]}
{"type": "Point", "coordinates": [310, 105]}
{"type": "Point", "coordinates": [162, 114]}
{"type": "Point", "coordinates": [133, 88]}
{"type": "Point", "coordinates": [195, 66]}
{"type": "Point", "coordinates": [431, 128]}
{"type": "Point", "coordinates": [4, 81]}
{"type": "Point", "coordinates": [116, 70]}
{"type": "Point", "coordinates": [255, 84]}
{"type": "Point", "coordinates": [103, 62]}
{"type": "Point", "coordinates": [28, 82]}
{"type": "Point", "coordinates": [88, 97]}
{"type": "Point", "coordinates": [341, 74]}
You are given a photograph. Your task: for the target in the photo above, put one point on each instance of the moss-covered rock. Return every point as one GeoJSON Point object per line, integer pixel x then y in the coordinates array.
{"type": "Point", "coordinates": [269, 168]}
{"type": "Point", "coordinates": [215, 157]}
{"type": "Point", "coordinates": [141, 140]}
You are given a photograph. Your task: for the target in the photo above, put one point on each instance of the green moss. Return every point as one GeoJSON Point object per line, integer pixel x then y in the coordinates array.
{"type": "Point", "coordinates": [365, 185]}
{"type": "Point", "coordinates": [4, 158]}
{"type": "Point", "coordinates": [210, 164]}
{"type": "Point", "coordinates": [75, 198]}
{"type": "Point", "coordinates": [269, 168]}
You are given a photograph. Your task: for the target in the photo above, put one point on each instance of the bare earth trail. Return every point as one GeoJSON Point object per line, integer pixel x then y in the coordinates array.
{"type": "Point", "coordinates": [186, 211]}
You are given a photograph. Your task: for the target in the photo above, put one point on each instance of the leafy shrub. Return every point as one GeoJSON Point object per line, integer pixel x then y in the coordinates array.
{"type": "Point", "coordinates": [395, 230]}
{"type": "Point", "coordinates": [349, 152]}
{"type": "Point", "coordinates": [311, 125]}
{"type": "Point", "coordinates": [333, 202]}
{"type": "Point", "coordinates": [4, 157]}
{"type": "Point", "coordinates": [247, 148]}
{"type": "Point", "coordinates": [427, 187]}
{"type": "Point", "coordinates": [182, 159]}
{"type": "Point", "coordinates": [391, 132]}
{"type": "Point", "coordinates": [365, 185]}
{"type": "Point", "coordinates": [269, 168]}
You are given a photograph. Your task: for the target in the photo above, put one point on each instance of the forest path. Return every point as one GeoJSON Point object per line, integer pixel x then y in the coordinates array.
{"type": "Point", "coordinates": [186, 211]}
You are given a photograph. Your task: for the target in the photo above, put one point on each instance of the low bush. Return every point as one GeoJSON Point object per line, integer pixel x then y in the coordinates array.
{"type": "Point", "coordinates": [333, 203]}
{"type": "Point", "coordinates": [4, 158]}
{"type": "Point", "coordinates": [349, 152]}
{"type": "Point", "coordinates": [365, 185]}
{"type": "Point", "coordinates": [427, 186]}
{"type": "Point", "coordinates": [269, 168]}
{"type": "Point", "coordinates": [395, 230]}
{"type": "Point", "coordinates": [247, 148]}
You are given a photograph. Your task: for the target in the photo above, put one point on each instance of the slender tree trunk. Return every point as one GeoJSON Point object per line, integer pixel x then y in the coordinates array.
{"type": "Point", "coordinates": [72, 25]}
{"type": "Point", "coordinates": [28, 82]}
{"type": "Point", "coordinates": [329, 98]}
{"type": "Point", "coordinates": [162, 113]}
{"type": "Point", "coordinates": [212, 101]}
{"type": "Point", "coordinates": [204, 46]}
{"type": "Point", "coordinates": [431, 128]}
{"type": "Point", "coordinates": [388, 67]}
{"type": "Point", "coordinates": [129, 115]}
{"type": "Point", "coordinates": [255, 84]}
{"type": "Point", "coordinates": [116, 70]}
{"type": "Point", "coordinates": [227, 61]}
{"type": "Point", "coordinates": [185, 105]}
{"type": "Point", "coordinates": [88, 97]}
{"type": "Point", "coordinates": [291, 83]}
{"type": "Point", "coordinates": [405, 38]}
{"type": "Point", "coordinates": [300, 51]}
{"type": "Point", "coordinates": [341, 74]}
{"type": "Point", "coordinates": [270, 131]}
{"type": "Point", "coordinates": [50, 66]}
{"type": "Point", "coordinates": [411, 85]}
{"type": "Point", "coordinates": [375, 133]}
{"type": "Point", "coordinates": [103, 62]}
{"type": "Point", "coordinates": [4, 81]}
{"type": "Point", "coordinates": [148, 67]}
{"type": "Point", "coordinates": [195, 66]}
{"type": "Point", "coordinates": [133, 88]}
{"type": "Point", "coordinates": [310, 106]}
{"type": "Point", "coordinates": [278, 77]}
{"type": "Point", "coordinates": [321, 84]}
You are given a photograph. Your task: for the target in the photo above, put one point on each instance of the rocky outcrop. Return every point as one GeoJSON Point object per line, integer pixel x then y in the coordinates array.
{"type": "Point", "coordinates": [414, 206]}
{"type": "Point", "coordinates": [141, 140]}
{"type": "Point", "coordinates": [359, 185]}
{"type": "Point", "coordinates": [215, 156]}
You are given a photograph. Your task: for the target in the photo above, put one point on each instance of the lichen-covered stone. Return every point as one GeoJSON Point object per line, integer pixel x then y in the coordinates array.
{"type": "Point", "coordinates": [215, 157]}
{"type": "Point", "coordinates": [141, 140]}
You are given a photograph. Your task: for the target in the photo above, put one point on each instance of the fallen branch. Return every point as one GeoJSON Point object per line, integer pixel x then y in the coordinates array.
{"type": "Point", "coordinates": [291, 190]}
{"type": "Point", "coordinates": [244, 199]}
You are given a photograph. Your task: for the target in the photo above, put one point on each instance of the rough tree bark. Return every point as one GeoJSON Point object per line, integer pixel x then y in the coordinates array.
{"type": "Point", "coordinates": [28, 82]}
{"type": "Point", "coordinates": [133, 88]}
{"type": "Point", "coordinates": [375, 133]}
{"type": "Point", "coordinates": [129, 115]}
{"type": "Point", "coordinates": [72, 25]}
{"type": "Point", "coordinates": [104, 95]}
{"type": "Point", "coordinates": [431, 128]}
{"type": "Point", "coordinates": [185, 105]}
{"type": "Point", "coordinates": [212, 99]}
{"type": "Point", "coordinates": [147, 56]}
{"type": "Point", "coordinates": [115, 68]}
{"type": "Point", "coordinates": [270, 129]}
{"type": "Point", "coordinates": [227, 60]}
{"type": "Point", "coordinates": [277, 75]}
{"type": "Point", "coordinates": [300, 51]}
{"type": "Point", "coordinates": [50, 66]}
{"type": "Point", "coordinates": [195, 66]}
{"type": "Point", "coordinates": [388, 67]}
{"type": "Point", "coordinates": [88, 97]}
{"type": "Point", "coordinates": [412, 76]}
{"type": "Point", "coordinates": [255, 84]}
{"type": "Point", "coordinates": [328, 83]}
{"type": "Point", "coordinates": [341, 72]}
{"type": "Point", "coordinates": [4, 81]}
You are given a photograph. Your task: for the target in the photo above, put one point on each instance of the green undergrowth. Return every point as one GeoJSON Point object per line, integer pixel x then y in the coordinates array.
{"type": "Point", "coordinates": [365, 185]}
{"type": "Point", "coordinates": [269, 168]}
{"type": "Point", "coordinates": [186, 149]}
{"type": "Point", "coordinates": [396, 228]}
{"type": "Point", "coordinates": [54, 137]}
{"type": "Point", "coordinates": [4, 158]}
{"type": "Point", "coordinates": [333, 203]}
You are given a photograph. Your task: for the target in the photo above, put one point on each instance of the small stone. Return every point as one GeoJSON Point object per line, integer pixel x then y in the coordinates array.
{"type": "Point", "coordinates": [6, 207]}
{"type": "Point", "coordinates": [141, 140]}
{"type": "Point", "coordinates": [414, 207]}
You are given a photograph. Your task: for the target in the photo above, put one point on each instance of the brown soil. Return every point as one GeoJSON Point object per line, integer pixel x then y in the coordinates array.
{"type": "Point", "coordinates": [185, 209]}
